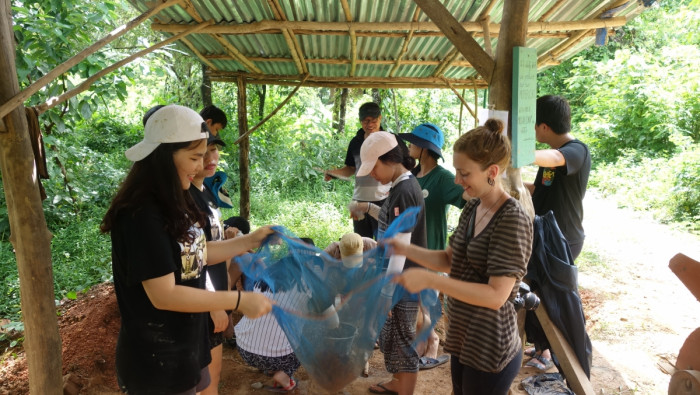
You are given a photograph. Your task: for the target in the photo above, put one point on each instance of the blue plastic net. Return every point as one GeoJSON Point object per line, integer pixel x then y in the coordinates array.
{"type": "Point", "coordinates": [339, 311]}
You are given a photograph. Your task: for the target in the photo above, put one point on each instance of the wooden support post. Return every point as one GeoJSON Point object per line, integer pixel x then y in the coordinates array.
{"type": "Point", "coordinates": [575, 376]}
{"type": "Point", "coordinates": [20, 97]}
{"type": "Point", "coordinates": [512, 34]}
{"type": "Point", "coordinates": [30, 236]}
{"type": "Point", "coordinates": [243, 149]}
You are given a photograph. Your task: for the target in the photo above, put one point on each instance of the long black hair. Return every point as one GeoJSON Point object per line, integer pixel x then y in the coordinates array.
{"type": "Point", "coordinates": [154, 179]}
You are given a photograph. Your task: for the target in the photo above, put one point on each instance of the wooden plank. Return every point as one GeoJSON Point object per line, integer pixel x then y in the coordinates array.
{"type": "Point", "coordinates": [575, 376]}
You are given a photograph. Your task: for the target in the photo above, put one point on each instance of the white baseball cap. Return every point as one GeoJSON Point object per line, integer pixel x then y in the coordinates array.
{"type": "Point", "coordinates": [376, 145]}
{"type": "Point", "coordinates": [170, 124]}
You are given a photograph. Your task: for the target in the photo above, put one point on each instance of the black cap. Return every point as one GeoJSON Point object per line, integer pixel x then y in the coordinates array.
{"type": "Point", "coordinates": [214, 139]}
{"type": "Point", "coordinates": [370, 109]}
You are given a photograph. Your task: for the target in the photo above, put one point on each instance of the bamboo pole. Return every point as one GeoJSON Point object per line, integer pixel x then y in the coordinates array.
{"type": "Point", "coordinates": [271, 114]}
{"type": "Point", "coordinates": [198, 54]}
{"type": "Point", "coordinates": [487, 35]}
{"type": "Point", "coordinates": [459, 63]}
{"type": "Point", "coordinates": [366, 85]}
{"type": "Point", "coordinates": [459, 96]}
{"type": "Point", "coordinates": [65, 66]}
{"type": "Point", "coordinates": [487, 11]}
{"type": "Point", "coordinates": [250, 76]}
{"type": "Point", "coordinates": [292, 44]}
{"type": "Point", "coordinates": [327, 27]}
{"type": "Point", "coordinates": [29, 235]}
{"type": "Point", "coordinates": [476, 103]}
{"type": "Point", "coordinates": [397, 34]}
{"type": "Point", "coordinates": [404, 47]}
{"type": "Point", "coordinates": [42, 108]}
{"type": "Point", "coordinates": [353, 37]}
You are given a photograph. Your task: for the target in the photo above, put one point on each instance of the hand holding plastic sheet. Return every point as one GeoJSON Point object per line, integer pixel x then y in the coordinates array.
{"type": "Point", "coordinates": [332, 344]}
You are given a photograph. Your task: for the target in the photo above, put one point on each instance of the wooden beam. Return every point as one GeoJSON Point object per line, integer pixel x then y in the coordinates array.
{"type": "Point", "coordinates": [54, 101]}
{"type": "Point", "coordinates": [487, 35]}
{"type": "Point", "coordinates": [29, 235]}
{"type": "Point", "coordinates": [463, 41]}
{"type": "Point", "coordinates": [397, 34]}
{"type": "Point", "coordinates": [328, 27]}
{"type": "Point", "coordinates": [575, 376]}
{"type": "Point", "coordinates": [271, 114]}
{"type": "Point", "coordinates": [218, 75]}
{"type": "Point", "coordinates": [487, 11]}
{"type": "Point", "coordinates": [20, 97]}
{"type": "Point", "coordinates": [269, 80]}
{"type": "Point", "coordinates": [456, 63]}
{"type": "Point", "coordinates": [449, 60]}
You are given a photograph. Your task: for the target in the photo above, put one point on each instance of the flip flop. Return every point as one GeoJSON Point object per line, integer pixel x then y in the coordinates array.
{"type": "Point", "coordinates": [383, 390]}
{"type": "Point", "coordinates": [541, 363]}
{"type": "Point", "coordinates": [278, 388]}
{"type": "Point", "coordinates": [530, 352]}
{"type": "Point", "coordinates": [426, 363]}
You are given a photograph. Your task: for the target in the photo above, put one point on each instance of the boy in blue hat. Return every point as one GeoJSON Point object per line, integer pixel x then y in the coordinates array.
{"type": "Point", "coordinates": [439, 191]}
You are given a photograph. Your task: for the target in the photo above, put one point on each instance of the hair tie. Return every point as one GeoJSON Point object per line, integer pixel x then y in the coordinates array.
{"type": "Point", "coordinates": [238, 302]}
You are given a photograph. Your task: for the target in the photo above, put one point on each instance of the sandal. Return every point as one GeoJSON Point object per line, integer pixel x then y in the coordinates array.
{"type": "Point", "coordinates": [530, 352]}
{"type": "Point", "coordinates": [428, 363]}
{"type": "Point", "coordinates": [276, 387]}
{"type": "Point", "coordinates": [382, 390]}
{"type": "Point", "coordinates": [541, 363]}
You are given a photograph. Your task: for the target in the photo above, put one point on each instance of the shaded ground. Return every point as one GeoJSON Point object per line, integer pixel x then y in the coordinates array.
{"type": "Point", "coordinates": [638, 315]}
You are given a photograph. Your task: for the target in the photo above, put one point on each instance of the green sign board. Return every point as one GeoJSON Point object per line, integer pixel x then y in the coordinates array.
{"type": "Point", "coordinates": [524, 105]}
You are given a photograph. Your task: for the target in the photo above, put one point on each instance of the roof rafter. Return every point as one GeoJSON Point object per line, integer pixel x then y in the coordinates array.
{"type": "Point", "coordinates": [290, 38]}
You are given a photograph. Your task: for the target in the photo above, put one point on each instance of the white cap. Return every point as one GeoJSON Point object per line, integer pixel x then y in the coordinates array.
{"type": "Point", "coordinates": [170, 124]}
{"type": "Point", "coordinates": [376, 145]}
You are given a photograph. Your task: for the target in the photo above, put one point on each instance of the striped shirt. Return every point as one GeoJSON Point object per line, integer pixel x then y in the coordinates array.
{"type": "Point", "coordinates": [482, 338]}
{"type": "Point", "coordinates": [264, 336]}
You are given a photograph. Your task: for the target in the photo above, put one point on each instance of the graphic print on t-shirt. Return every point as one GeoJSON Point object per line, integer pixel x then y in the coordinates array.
{"type": "Point", "coordinates": [193, 257]}
{"type": "Point", "coordinates": [217, 227]}
{"type": "Point", "coordinates": [548, 176]}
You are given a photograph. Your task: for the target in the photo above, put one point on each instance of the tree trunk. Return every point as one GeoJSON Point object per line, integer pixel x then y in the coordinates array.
{"type": "Point", "coordinates": [342, 110]}
{"type": "Point", "coordinates": [262, 93]}
{"type": "Point", "coordinates": [376, 97]}
{"type": "Point", "coordinates": [244, 150]}
{"type": "Point", "coordinates": [29, 235]}
{"type": "Point", "coordinates": [205, 87]}
{"type": "Point", "coordinates": [513, 33]}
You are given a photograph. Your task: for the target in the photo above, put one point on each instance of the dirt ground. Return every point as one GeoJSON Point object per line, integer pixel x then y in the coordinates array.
{"type": "Point", "coordinates": [638, 315]}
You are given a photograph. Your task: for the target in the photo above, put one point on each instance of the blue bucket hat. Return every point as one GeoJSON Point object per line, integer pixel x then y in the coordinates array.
{"type": "Point", "coordinates": [426, 135]}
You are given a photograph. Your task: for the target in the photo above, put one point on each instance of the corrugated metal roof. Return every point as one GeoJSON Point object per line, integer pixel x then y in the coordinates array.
{"type": "Point", "coordinates": [394, 42]}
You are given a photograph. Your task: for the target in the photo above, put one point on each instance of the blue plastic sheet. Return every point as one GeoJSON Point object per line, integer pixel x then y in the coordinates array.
{"type": "Point", "coordinates": [339, 311]}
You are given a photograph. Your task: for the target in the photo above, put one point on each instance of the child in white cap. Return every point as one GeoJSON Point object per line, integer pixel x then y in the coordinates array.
{"type": "Point", "coordinates": [387, 160]}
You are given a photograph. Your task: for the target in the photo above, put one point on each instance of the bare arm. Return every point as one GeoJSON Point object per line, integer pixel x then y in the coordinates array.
{"type": "Point", "coordinates": [164, 294]}
{"type": "Point", "coordinates": [346, 171]}
{"type": "Point", "coordinates": [438, 260]}
{"type": "Point", "coordinates": [492, 295]}
{"type": "Point", "coordinates": [530, 187]}
{"type": "Point", "coordinates": [549, 158]}
{"type": "Point", "coordinates": [223, 250]}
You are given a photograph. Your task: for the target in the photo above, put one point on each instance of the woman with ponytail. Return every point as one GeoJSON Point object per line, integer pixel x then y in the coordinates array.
{"type": "Point", "coordinates": [486, 258]}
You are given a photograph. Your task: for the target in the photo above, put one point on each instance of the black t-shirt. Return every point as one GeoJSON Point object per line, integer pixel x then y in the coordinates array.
{"type": "Point", "coordinates": [367, 189]}
{"type": "Point", "coordinates": [158, 351]}
{"type": "Point", "coordinates": [405, 194]}
{"type": "Point", "coordinates": [561, 189]}
{"type": "Point", "coordinates": [213, 230]}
